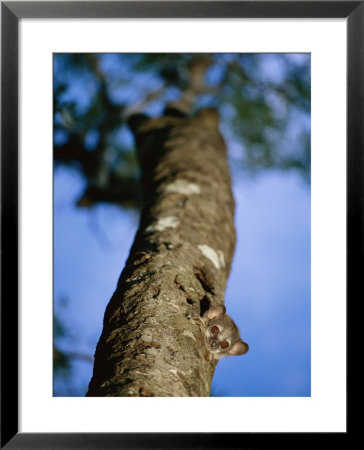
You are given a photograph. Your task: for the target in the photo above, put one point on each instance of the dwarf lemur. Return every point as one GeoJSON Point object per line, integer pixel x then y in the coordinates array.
{"type": "Point", "coordinates": [222, 337]}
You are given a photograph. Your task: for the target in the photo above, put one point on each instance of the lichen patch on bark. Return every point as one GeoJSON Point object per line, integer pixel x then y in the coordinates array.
{"type": "Point", "coordinates": [183, 187]}
{"type": "Point", "coordinates": [163, 223]}
{"type": "Point", "coordinates": [216, 257]}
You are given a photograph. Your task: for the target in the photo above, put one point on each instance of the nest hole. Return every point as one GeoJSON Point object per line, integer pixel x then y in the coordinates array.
{"type": "Point", "coordinates": [204, 305]}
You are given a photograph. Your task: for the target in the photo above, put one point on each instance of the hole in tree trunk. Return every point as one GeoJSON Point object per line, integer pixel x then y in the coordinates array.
{"type": "Point", "coordinates": [204, 305]}
{"type": "Point", "coordinates": [205, 280]}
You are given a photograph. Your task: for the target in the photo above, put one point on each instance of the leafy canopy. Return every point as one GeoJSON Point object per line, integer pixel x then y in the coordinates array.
{"type": "Point", "coordinates": [263, 100]}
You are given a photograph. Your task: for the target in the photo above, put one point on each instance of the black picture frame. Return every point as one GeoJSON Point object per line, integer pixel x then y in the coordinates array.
{"type": "Point", "coordinates": [11, 12]}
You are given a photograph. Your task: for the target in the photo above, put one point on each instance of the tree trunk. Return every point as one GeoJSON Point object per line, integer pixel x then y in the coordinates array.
{"type": "Point", "coordinates": [178, 265]}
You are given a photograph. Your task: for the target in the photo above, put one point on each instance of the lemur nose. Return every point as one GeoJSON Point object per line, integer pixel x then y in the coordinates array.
{"type": "Point", "coordinates": [213, 344]}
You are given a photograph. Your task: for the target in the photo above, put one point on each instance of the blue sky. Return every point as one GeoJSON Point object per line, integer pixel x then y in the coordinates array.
{"type": "Point", "coordinates": [268, 292]}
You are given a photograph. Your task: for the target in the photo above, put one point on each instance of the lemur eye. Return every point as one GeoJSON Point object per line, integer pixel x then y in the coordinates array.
{"type": "Point", "coordinates": [224, 345]}
{"type": "Point", "coordinates": [215, 330]}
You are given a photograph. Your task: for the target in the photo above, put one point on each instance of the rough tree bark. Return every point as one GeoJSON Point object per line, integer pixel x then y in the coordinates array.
{"type": "Point", "coordinates": [177, 267]}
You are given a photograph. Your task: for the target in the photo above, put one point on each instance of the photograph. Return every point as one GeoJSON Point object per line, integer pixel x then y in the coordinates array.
{"type": "Point", "coordinates": [181, 224]}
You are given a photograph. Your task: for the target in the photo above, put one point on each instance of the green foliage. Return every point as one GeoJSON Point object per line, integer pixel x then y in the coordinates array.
{"type": "Point", "coordinates": [67, 354]}
{"type": "Point", "coordinates": [264, 103]}
{"type": "Point", "coordinates": [61, 361]}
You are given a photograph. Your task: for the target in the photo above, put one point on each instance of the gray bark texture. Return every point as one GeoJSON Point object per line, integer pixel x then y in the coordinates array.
{"type": "Point", "coordinates": [178, 265]}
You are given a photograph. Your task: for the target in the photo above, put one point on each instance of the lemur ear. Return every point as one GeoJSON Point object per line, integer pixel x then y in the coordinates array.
{"type": "Point", "coordinates": [239, 348]}
{"type": "Point", "coordinates": [215, 311]}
